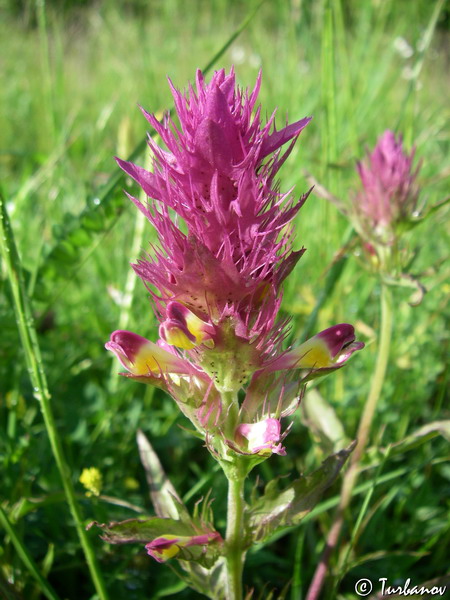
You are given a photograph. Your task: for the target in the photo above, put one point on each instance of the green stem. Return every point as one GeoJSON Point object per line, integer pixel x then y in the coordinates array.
{"type": "Point", "coordinates": [234, 538]}
{"type": "Point", "coordinates": [379, 373]}
{"type": "Point", "coordinates": [27, 331]}
{"type": "Point", "coordinates": [25, 557]}
{"type": "Point", "coordinates": [236, 472]}
{"type": "Point", "coordinates": [351, 476]}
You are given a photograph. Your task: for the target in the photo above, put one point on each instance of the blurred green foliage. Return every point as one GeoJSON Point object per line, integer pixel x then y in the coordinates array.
{"type": "Point", "coordinates": [73, 73]}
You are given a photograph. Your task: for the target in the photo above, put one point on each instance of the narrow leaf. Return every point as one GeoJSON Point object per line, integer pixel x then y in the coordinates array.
{"type": "Point", "coordinates": [26, 558]}
{"type": "Point", "coordinates": [162, 491]}
{"type": "Point", "coordinates": [141, 530]}
{"type": "Point", "coordinates": [332, 278]}
{"type": "Point", "coordinates": [205, 551]}
{"type": "Point", "coordinates": [323, 421]}
{"type": "Point", "coordinates": [421, 436]}
{"type": "Point", "coordinates": [38, 379]}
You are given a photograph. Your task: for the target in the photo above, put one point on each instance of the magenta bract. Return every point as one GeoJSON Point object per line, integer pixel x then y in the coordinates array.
{"type": "Point", "coordinates": [216, 175]}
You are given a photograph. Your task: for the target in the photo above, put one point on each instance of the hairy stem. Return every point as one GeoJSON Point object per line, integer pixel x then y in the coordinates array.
{"type": "Point", "coordinates": [351, 476]}
{"type": "Point", "coordinates": [234, 537]}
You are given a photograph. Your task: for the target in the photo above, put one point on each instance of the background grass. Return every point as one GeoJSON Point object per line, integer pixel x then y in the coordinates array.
{"type": "Point", "coordinates": [73, 74]}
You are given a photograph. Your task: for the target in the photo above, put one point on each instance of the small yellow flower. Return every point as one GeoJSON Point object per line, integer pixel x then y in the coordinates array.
{"type": "Point", "coordinates": [92, 480]}
{"type": "Point", "coordinates": [131, 483]}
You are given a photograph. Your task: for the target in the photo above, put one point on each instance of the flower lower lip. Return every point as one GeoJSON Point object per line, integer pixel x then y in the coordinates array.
{"type": "Point", "coordinates": [349, 342]}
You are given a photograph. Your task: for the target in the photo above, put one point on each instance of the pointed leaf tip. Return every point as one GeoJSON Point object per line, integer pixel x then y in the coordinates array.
{"type": "Point", "coordinates": [162, 492]}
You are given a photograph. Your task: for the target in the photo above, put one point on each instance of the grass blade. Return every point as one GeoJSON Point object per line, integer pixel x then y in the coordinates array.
{"type": "Point", "coordinates": [25, 557]}
{"type": "Point", "coordinates": [408, 113]}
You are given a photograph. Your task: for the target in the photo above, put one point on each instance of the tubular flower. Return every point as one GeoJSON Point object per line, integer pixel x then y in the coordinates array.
{"type": "Point", "coordinates": [144, 358]}
{"type": "Point", "coordinates": [182, 328]}
{"type": "Point", "coordinates": [165, 547]}
{"type": "Point", "coordinates": [390, 191]}
{"type": "Point", "coordinates": [225, 248]}
{"type": "Point", "coordinates": [328, 350]}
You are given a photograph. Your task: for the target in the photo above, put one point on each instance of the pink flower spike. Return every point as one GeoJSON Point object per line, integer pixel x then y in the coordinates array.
{"type": "Point", "coordinates": [142, 357]}
{"type": "Point", "coordinates": [390, 191]}
{"type": "Point", "coordinates": [329, 349]}
{"type": "Point", "coordinates": [216, 174]}
{"type": "Point", "coordinates": [262, 437]}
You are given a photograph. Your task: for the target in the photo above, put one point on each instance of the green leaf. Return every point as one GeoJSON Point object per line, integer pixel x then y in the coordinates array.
{"type": "Point", "coordinates": [321, 418]}
{"type": "Point", "coordinates": [382, 555]}
{"type": "Point", "coordinates": [145, 531]}
{"type": "Point", "coordinates": [27, 560]}
{"type": "Point", "coordinates": [210, 582]}
{"type": "Point", "coordinates": [421, 436]}
{"type": "Point", "coordinates": [141, 530]}
{"type": "Point", "coordinates": [281, 508]}
{"type": "Point", "coordinates": [335, 271]}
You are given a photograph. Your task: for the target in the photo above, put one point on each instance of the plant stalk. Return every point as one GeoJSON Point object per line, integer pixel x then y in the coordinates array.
{"type": "Point", "coordinates": [30, 344]}
{"type": "Point", "coordinates": [365, 424]}
{"type": "Point", "coordinates": [379, 373]}
{"type": "Point", "coordinates": [234, 537]}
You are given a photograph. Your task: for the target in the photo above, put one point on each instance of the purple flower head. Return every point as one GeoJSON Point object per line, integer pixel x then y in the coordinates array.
{"type": "Point", "coordinates": [225, 248]}
{"type": "Point", "coordinates": [390, 191]}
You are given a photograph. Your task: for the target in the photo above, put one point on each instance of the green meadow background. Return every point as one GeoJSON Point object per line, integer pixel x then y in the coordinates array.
{"type": "Point", "coordinates": [72, 76]}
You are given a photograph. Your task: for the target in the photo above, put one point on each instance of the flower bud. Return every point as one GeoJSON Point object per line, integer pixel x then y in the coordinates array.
{"type": "Point", "coordinates": [261, 438]}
